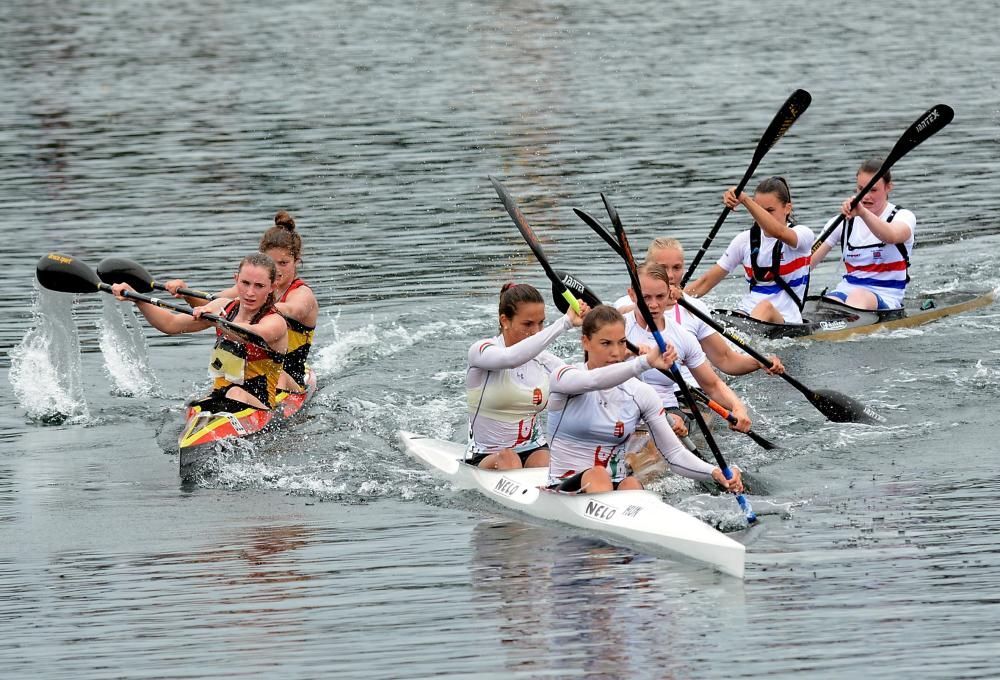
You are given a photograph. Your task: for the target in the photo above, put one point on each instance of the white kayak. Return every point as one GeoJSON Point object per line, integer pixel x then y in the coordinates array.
{"type": "Point", "coordinates": [636, 517]}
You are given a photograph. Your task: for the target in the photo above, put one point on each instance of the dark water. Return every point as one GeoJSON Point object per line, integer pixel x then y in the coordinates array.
{"type": "Point", "coordinates": [171, 133]}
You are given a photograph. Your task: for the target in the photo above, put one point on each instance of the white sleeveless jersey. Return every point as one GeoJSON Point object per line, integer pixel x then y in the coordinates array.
{"type": "Point", "coordinates": [686, 320]}
{"type": "Point", "coordinates": [591, 428]}
{"type": "Point", "coordinates": [793, 268]}
{"type": "Point", "coordinates": [689, 354]}
{"type": "Point", "coordinates": [872, 265]}
{"type": "Point", "coordinates": [506, 389]}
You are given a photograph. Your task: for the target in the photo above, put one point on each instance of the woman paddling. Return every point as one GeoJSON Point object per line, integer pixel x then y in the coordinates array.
{"type": "Point", "coordinates": [589, 428]}
{"type": "Point", "coordinates": [245, 374]}
{"type": "Point", "coordinates": [876, 240]}
{"type": "Point", "coordinates": [654, 280]}
{"type": "Point", "coordinates": [669, 253]}
{"type": "Point", "coordinates": [774, 254]}
{"type": "Point", "coordinates": [294, 299]}
{"type": "Point", "coordinates": [507, 382]}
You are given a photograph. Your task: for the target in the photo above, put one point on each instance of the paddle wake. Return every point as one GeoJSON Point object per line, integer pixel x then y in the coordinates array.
{"type": "Point", "coordinates": [45, 371]}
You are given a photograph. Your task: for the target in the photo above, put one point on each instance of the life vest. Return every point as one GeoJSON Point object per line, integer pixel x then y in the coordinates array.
{"type": "Point", "coordinates": [761, 276]}
{"type": "Point", "coordinates": [845, 245]}
{"type": "Point", "coordinates": [300, 338]}
{"type": "Point", "coordinates": [256, 369]}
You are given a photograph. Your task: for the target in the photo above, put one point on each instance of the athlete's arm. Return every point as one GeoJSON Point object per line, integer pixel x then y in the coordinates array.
{"type": "Point", "coordinates": [720, 392]}
{"type": "Point", "coordinates": [163, 320]}
{"type": "Point", "coordinates": [487, 354]}
{"type": "Point", "coordinates": [706, 281]}
{"type": "Point", "coordinates": [300, 305]}
{"type": "Point", "coordinates": [771, 225]}
{"type": "Point", "coordinates": [681, 461]}
{"type": "Point", "coordinates": [897, 231]}
{"type": "Point", "coordinates": [272, 328]}
{"type": "Point", "coordinates": [570, 379]}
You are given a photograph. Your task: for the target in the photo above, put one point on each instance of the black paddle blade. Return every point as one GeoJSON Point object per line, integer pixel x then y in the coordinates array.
{"type": "Point", "coordinates": [931, 121]}
{"type": "Point", "coordinates": [841, 408]}
{"type": "Point", "coordinates": [761, 442]}
{"type": "Point", "coordinates": [121, 270]}
{"type": "Point", "coordinates": [598, 228]}
{"type": "Point", "coordinates": [626, 249]}
{"type": "Point", "coordinates": [66, 274]}
{"type": "Point", "coordinates": [522, 225]}
{"type": "Point", "coordinates": [577, 287]}
{"type": "Point", "coordinates": [794, 106]}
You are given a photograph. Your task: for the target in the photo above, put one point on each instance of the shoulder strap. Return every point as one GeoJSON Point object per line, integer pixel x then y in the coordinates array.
{"type": "Point", "coordinates": [773, 273]}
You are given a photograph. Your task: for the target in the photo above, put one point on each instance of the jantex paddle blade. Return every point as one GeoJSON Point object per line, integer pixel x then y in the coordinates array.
{"type": "Point", "coordinates": [576, 287]}
{"type": "Point", "coordinates": [113, 270]}
{"type": "Point", "coordinates": [66, 274]}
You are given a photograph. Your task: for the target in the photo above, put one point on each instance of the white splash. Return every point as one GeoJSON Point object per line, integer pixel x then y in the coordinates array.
{"type": "Point", "coordinates": [45, 370]}
{"type": "Point", "coordinates": [378, 340]}
{"type": "Point", "coordinates": [126, 355]}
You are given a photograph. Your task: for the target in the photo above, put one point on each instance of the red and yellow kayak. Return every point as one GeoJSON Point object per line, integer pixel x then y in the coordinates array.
{"type": "Point", "coordinates": [203, 429]}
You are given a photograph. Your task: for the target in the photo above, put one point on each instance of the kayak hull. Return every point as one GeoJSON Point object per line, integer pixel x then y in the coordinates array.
{"type": "Point", "coordinates": [203, 430]}
{"type": "Point", "coordinates": [635, 517]}
{"type": "Point", "coordinates": [833, 321]}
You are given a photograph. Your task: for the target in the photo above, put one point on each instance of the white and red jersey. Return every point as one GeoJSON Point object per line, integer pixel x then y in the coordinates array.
{"type": "Point", "coordinates": [589, 428]}
{"type": "Point", "coordinates": [793, 268]}
{"type": "Point", "coordinates": [682, 316]}
{"type": "Point", "coordinates": [871, 264]}
{"type": "Point", "coordinates": [506, 389]}
{"type": "Point", "coordinates": [685, 320]}
{"type": "Point", "coordinates": [689, 355]}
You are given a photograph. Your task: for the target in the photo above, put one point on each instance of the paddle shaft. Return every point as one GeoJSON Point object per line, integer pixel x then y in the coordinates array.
{"type": "Point", "coordinates": [626, 254]}
{"type": "Point", "coordinates": [736, 340]}
{"type": "Point", "coordinates": [186, 292]}
{"type": "Point", "coordinates": [233, 328]}
{"type": "Point", "coordinates": [597, 227]}
{"type": "Point", "coordinates": [701, 396]}
{"type": "Point", "coordinates": [789, 112]}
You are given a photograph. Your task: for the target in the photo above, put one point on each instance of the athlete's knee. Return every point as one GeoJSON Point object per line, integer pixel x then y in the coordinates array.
{"type": "Point", "coordinates": [539, 458]}
{"type": "Point", "coordinates": [629, 483]}
{"type": "Point", "coordinates": [596, 480]}
{"type": "Point", "coordinates": [507, 459]}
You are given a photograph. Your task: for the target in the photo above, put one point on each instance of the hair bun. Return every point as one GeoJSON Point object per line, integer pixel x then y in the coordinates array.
{"type": "Point", "coordinates": [284, 220]}
{"type": "Point", "coordinates": [507, 286]}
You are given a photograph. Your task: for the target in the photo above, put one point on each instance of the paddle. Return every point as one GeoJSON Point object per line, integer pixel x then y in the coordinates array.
{"type": "Point", "coordinates": [932, 121]}
{"type": "Point", "coordinates": [625, 251]}
{"type": "Point", "coordinates": [529, 236]}
{"type": "Point", "coordinates": [789, 112]}
{"type": "Point", "coordinates": [837, 407]}
{"type": "Point", "coordinates": [123, 270]}
{"type": "Point", "coordinates": [69, 275]}
{"type": "Point", "coordinates": [582, 292]}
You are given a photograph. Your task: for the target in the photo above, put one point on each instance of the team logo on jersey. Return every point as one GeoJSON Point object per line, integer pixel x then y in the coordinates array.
{"type": "Point", "coordinates": [601, 456]}
{"type": "Point", "coordinates": [525, 431]}
{"type": "Point", "coordinates": [877, 254]}
{"type": "Point", "coordinates": [619, 429]}
{"type": "Point", "coordinates": [536, 396]}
